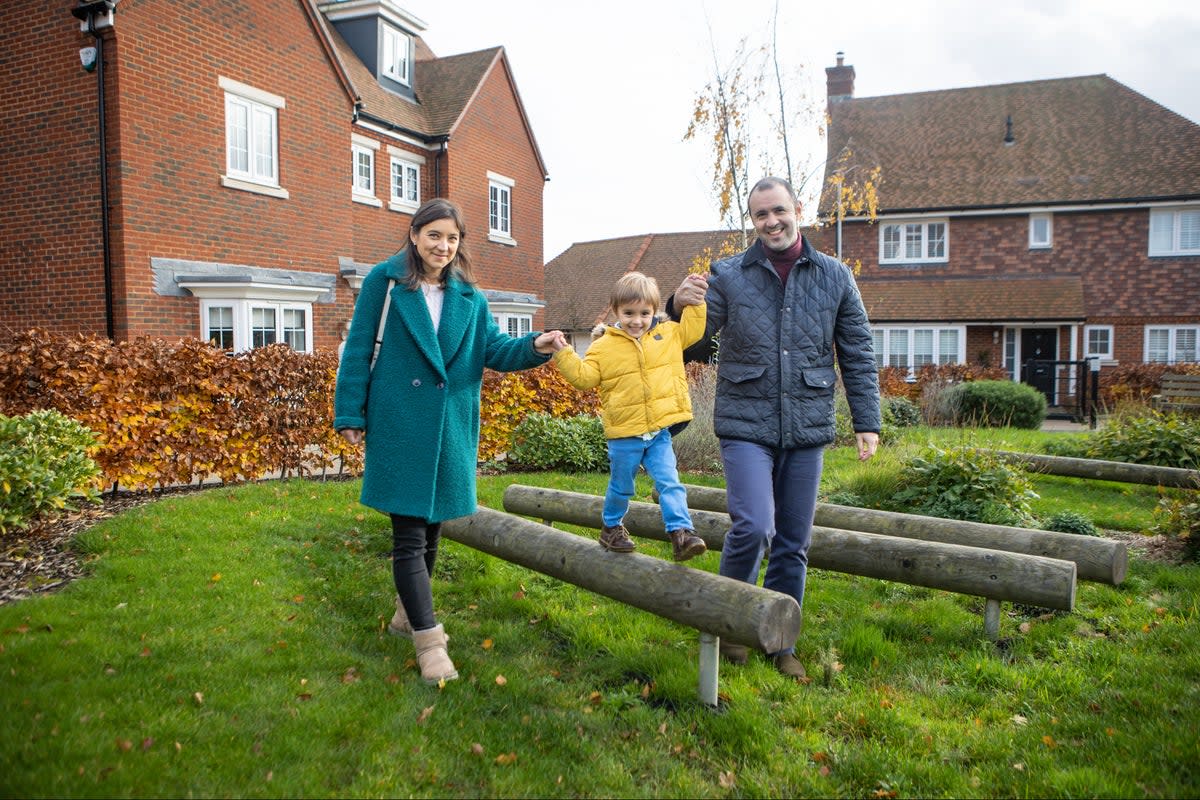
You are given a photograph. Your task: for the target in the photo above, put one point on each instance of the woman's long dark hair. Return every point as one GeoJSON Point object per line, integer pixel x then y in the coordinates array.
{"type": "Point", "coordinates": [460, 267]}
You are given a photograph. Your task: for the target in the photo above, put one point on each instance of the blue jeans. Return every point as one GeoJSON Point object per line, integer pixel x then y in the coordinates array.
{"type": "Point", "coordinates": [772, 497]}
{"type": "Point", "coordinates": [624, 457]}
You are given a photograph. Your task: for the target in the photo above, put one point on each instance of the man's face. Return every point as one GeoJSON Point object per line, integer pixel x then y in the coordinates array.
{"type": "Point", "coordinates": [774, 214]}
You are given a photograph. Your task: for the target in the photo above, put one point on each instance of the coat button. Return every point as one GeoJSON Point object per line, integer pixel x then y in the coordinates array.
{"type": "Point", "coordinates": [416, 381]}
{"type": "Point", "coordinates": [441, 385]}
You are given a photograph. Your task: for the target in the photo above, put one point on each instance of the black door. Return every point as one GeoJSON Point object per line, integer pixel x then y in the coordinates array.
{"type": "Point", "coordinates": [1039, 348]}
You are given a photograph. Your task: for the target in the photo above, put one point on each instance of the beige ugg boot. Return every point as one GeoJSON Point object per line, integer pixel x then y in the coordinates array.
{"type": "Point", "coordinates": [400, 626]}
{"type": "Point", "coordinates": [435, 662]}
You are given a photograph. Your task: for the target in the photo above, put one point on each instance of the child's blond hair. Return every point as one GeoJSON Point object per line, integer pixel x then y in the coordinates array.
{"type": "Point", "coordinates": [635, 287]}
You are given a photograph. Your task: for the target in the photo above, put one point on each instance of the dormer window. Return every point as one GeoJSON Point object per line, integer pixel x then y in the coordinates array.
{"type": "Point", "coordinates": [395, 55]}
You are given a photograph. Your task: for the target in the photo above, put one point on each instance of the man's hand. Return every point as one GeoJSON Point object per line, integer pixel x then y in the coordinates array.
{"type": "Point", "coordinates": [550, 342]}
{"type": "Point", "coordinates": [692, 291]}
{"type": "Point", "coordinates": [868, 443]}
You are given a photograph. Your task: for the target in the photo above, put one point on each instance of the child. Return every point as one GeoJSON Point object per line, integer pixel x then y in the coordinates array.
{"type": "Point", "coordinates": [638, 365]}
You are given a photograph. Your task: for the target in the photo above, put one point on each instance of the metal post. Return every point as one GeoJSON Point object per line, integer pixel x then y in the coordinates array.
{"type": "Point", "coordinates": [709, 667]}
{"type": "Point", "coordinates": [1095, 392]}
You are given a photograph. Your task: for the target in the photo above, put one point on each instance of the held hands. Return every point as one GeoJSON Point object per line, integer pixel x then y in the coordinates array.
{"type": "Point", "coordinates": [691, 292]}
{"type": "Point", "coordinates": [868, 443]}
{"type": "Point", "coordinates": [550, 342]}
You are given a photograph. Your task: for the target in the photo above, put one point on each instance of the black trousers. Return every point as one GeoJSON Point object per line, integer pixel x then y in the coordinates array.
{"type": "Point", "coordinates": [414, 551]}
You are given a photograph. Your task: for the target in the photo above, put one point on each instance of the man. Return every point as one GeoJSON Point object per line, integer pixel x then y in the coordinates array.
{"type": "Point", "coordinates": [782, 310]}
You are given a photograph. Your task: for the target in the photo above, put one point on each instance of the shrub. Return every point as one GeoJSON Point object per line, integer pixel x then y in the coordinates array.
{"type": "Point", "coordinates": [900, 412]}
{"type": "Point", "coordinates": [696, 447]}
{"type": "Point", "coordinates": [996, 404]}
{"type": "Point", "coordinates": [1070, 522]}
{"type": "Point", "coordinates": [1139, 435]}
{"type": "Point", "coordinates": [508, 397]}
{"type": "Point", "coordinates": [44, 466]}
{"type": "Point", "coordinates": [572, 444]}
{"type": "Point", "coordinates": [964, 482]}
{"type": "Point", "coordinates": [1178, 515]}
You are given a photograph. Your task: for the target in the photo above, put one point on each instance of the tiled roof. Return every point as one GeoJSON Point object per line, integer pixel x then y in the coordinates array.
{"type": "Point", "coordinates": [1076, 140]}
{"type": "Point", "coordinates": [579, 280]}
{"type": "Point", "coordinates": [978, 299]}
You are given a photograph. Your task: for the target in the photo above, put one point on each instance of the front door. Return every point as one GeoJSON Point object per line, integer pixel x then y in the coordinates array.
{"type": "Point", "coordinates": [1039, 345]}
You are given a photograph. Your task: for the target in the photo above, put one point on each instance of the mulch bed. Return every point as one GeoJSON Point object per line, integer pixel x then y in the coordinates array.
{"type": "Point", "coordinates": [39, 559]}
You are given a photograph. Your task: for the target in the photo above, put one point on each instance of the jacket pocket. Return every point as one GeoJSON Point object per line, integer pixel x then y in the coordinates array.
{"type": "Point", "coordinates": [820, 377]}
{"type": "Point", "coordinates": [740, 373]}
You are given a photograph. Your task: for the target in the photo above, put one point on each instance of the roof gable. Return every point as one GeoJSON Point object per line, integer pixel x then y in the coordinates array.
{"type": "Point", "coordinates": [1075, 140]}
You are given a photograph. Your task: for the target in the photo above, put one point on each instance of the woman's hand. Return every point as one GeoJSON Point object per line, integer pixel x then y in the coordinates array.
{"type": "Point", "coordinates": [352, 435]}
{"type": "Point", "coordinates": [550, 342]}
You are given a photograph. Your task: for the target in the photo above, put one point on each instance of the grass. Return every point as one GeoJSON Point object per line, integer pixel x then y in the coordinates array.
{"type": "Point", "coordinates": [231, 643]}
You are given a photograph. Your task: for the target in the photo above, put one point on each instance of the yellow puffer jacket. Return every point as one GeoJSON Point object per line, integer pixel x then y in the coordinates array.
{"type": "Point", "coordinates": [643, 387]}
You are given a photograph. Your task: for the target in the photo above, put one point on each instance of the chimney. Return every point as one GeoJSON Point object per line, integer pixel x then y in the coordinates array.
{"type": "Point", "coordinates": [839, 81]}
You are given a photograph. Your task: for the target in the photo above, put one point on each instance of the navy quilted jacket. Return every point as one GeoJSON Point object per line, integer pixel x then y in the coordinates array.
{"type": "Point", "coordinates": [775, 372]}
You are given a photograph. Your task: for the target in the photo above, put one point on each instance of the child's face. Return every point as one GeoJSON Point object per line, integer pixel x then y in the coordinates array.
{"type": "Point", "coordinates": [635, 318]}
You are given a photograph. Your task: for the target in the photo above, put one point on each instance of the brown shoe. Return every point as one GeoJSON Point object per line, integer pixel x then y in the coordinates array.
{"type": "Point", "coordinates": [616, 539]}
{"type": "Point", "coordinates": [686, 544]}
{"type": "Point", "coordinates": [789, 665]}
{"type": "Point", "coordinates": [734, 653]}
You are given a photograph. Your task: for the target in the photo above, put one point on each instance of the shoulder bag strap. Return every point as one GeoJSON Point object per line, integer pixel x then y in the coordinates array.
{"type": "Point", "coordinates": [387, 302]}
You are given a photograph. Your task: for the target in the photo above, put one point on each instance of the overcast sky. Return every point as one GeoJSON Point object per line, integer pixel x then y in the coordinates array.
{"type": "Point", "coordinates": [609, 87]}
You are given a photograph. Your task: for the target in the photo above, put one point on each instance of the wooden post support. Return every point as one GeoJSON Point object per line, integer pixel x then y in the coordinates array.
{"type": "Point", "coordinates": [1096, 559]}
{"type": "Point", "coordinates": [733, 610]}
{"type": "Point", "coordinates": [1097, 469]}
{"type": "Point", "coordinates": [991, 619]}
{"type": "Point", "coordinates": [983, 572]}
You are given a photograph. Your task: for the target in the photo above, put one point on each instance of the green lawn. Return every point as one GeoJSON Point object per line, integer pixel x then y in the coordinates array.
{"type": "Point", "coordinates": [230, 643]}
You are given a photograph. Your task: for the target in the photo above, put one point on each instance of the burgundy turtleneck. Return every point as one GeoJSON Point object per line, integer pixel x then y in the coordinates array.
{"type": "Point", "coordinates": [784, 261]}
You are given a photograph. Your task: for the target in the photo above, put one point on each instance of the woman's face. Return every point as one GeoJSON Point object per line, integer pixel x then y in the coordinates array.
{"type": "Point", "coordinates": [436, 243]}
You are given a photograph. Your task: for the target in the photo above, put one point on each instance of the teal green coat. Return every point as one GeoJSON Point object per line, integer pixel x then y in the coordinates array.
{"type": "Point", "coordinates": [419, 409]}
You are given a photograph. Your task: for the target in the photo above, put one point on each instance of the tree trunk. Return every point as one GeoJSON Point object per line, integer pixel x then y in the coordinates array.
{"type": "Point", "coordinates": [1096, 559]}
{"type": "Point", "coordinates": [983, 572]}
{"type": "Point", "coordinates": [732, 610]}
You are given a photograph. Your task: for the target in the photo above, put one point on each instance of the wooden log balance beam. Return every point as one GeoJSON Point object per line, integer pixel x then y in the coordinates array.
{"type": "Point", "coordinates": [995, 575]}
{"type": "Point", "coordinates": [1096, 469]}
{"type": "Point", "coordinates": [1096, 559]}
{"type": "Point", "coordinates": [730, 609]}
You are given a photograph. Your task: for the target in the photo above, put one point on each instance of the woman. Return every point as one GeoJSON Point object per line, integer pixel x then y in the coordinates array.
{"type": "Point", "coordinates": [417, 408]}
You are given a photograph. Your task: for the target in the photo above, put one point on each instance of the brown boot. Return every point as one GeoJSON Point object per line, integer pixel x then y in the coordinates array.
{"type": "Point", "coordinates": [790, 666]}
{"type": "Point", "coordinates": [616, 538]}
{"type": "Point", "coordinates": [432, 657]}
{"type": "Point", "coordinates": [686, 544]}
{"type": "Point", "coordinates": [734, 653]}
{"type": "Point", "coordinates": [400, 626]}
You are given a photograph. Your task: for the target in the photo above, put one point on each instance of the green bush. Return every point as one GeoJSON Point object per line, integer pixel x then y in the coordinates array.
{"type": "Point", "coordinates": [1178, 515]}
{"type": "Point", "coordinates": [900, 412]}
{"type": "Point", "coordinates": [572, 444]}
{"type": "Point", "coordinates": [966, 483]}
{"type": "Point", "coordinates": [997, 404]}
{"type": "Point", "coordinates": [1070, 522]}
{"type": "Point", "coordinates": [44, 466]}
{"type": "Point", "coordinates": [1142, 436]}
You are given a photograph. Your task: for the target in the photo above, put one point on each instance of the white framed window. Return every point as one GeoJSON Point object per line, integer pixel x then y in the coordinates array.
{"type": "Point", "coordinates": [363, 181]}
{"type": "Point", "coordinates": [1041, 231]}
{"type": "Point", "coordinates": [394, 55]}
{"type": "Point", "coordinates": [500, 208]}
{"type": "Point", "coordinates": [1172, 344]}
{"type": "Point", "coordinates": [404, 180]}
{"type": "Point", "coordinates": [251, 138]}
{"type": "Point", "coordinates": [912, 348]}
{"type": "Point", "coordinates": [514, 324]}
{"type": "Point", "coordinates": [1175, 231]}
{"type": "Point", "coordinates": [238, 324]}
{"type": "Point", "coordinates": [914, 242]}
{"type": "Point", "coordinates": [1098, 342]}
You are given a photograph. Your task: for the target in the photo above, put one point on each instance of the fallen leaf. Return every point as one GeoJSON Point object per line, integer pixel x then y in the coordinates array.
{"type": "Point", "coordinates": [1025, 627]}
{"type": "Point", "coordinates": [393, 678]}
{"type": "Point", "coordinates": [1049, 741]}
{"type": "Point", "coordinates": [487, 644]}
{"type": "Point", "coordinates": [270, 775]}
{"type": "Point", "coordinates": [424, 715]}
{"type": "Point", "coordinates": [124, 745]}
{"type": "Point", "coordinates": [350, 676]}
{"type": "Point", "coordinates": [595, 698]}
{"type": "Point", "coordinates": [824, 771]}
{"type": "Point", "coordinates": [145, 652]}
{"type": "Point", "coordinates": [1019, 719]}
{"type": "Point", "coordinates": [501, 680]}
{"type": "Point", "coordinates": [504, 759]}
{"type": "Point", "coordinates": [199, 698]}
{"type": "Point", "coordinates": [476, 749]}
{"type": "Point", "coordinates": [519, 595]}
{"type": "Point", "coordinates": [820, 757]}
{"type": "Point", "coordinates": [298, 598]}
{"type": "Point", "coordinates": [216, 577]}
{"type": "Point", "coordinates": [727, 779]}
{"type": "Point", "coordinates": [178, 747]}
{"type": "Point", "coordinates": [1018, 766]}
{"type": "Point", "coordinates": [304, 696]}
{"type": "Point", "coordinates": [147, 743]}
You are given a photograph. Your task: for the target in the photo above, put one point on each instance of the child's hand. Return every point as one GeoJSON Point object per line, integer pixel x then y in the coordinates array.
{"type": "Point", "coordinates": [550, 342]}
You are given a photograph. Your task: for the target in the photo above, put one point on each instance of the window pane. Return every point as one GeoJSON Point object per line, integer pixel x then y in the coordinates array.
{"type": "Point", "coordinates": [1098, 342]}
{"type": "Point", "coordinates": [294, 333]}
{"type": "Point", "coordinates": [220, 327]}
{"type": "Point", "coordinates": [937, 240]}
{"type": "Point", "coordinates": [948, 346]}
{"type": "Point", "coordinates": [1158, 345]}
{"type": "Point", "coordinates": [363, 172]}
{"type": "Point", "coordinates": [922, 347]}
{"type": "Point", "coordinates": [494, 208]}
{"type": "Point", "coordinates": [1189, 230]}
{"type": "Point", "coordinates": [891, 243]}
{"type": "Point", "coordinates": [1040, 230]}
{"type": "Point", "coordinates": [1185, 345]}
{"type": "Point", "coordinates": [413, 183]}
{"type": "Point", "coordinates": [898, 349]}
{"type": "Point", "coordinates": [1162, 231]}
{"type": "Point", "coordinates": [262, 327]}
{"type": "Point", "coordinates": [877, 345]}
{"type": "Point", "coordinates": [912, 241]}
{"type": "Point", "coordinates": [239, 137]}
{"type": "Point", "coordinates": [264, 143]}
{"type": "Point", "coordinates": [397, 186]}
{"type": "Point", "coordinates": [514, 326]}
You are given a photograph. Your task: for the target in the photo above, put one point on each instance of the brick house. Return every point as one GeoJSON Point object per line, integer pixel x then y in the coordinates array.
{"type": "Point", "coordinates": [259, 160]}
{"type": "Point", "coordinates": [1056, 220]}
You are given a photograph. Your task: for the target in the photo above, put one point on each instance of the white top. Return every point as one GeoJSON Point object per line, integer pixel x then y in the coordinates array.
{"type": "Point", "coordinates": [434, 294]}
